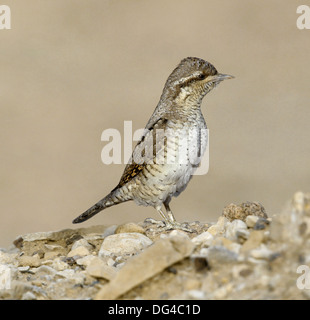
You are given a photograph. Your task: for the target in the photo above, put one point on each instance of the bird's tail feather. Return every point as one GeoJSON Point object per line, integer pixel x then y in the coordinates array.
{"type": "Point", "coordinates": [106, 202]}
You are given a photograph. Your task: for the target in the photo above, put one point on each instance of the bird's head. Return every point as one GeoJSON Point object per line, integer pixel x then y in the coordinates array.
{"type": "Point", "coordinates": [193, 78]}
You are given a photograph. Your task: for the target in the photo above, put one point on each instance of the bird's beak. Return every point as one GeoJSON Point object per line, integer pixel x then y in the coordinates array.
{"type": "Point", "coordinates": [219, 77]}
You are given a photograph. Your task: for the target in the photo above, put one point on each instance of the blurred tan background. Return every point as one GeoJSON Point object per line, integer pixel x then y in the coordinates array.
{"type": "Point", "coordinates": [70, 69]}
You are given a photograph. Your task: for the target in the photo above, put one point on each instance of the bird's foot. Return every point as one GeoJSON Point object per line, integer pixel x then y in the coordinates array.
{"type": "Point", "coordinates": [169, 225]}
{"type": "Point", "coordinates": [159, 223]}
{"type": "Point", "coordinates": [173, 225]}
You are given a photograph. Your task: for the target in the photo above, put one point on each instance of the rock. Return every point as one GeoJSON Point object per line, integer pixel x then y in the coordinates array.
{"type": "Point", "coordinates": [44, 270]}
{"type": "Point", "coordinates": [288, 225]}
{"type": "Point", "coordinates": [261, 224]}
{"type": "Point", "coordinates": [219, 255]}
{"type": "Point", "coordinates": [196, 294]}
{"type": "Point", "coordinates": [251, 220]}
{"type": "Point", "coordinates": [129, 228]}
{"type": "Point", "coordinates": [51, 255]}
{"type": "Point", "coordinates": [148, 263]}
{"type": "Point", "coordinates": [222, 292]}
{"type": "Point", "coordinates": [53, 247]}
{"type": "Point", "coordinates": [233, 211]}
{"type": "Point", "coordinates": [31, 261]}
{"type": "Point", "coordinates": [69, 274]}
{"type": "Point", "coordinates": [237, 230]}
{"type": "Point", "coordinates": [99, 269]}
{"type": "Point", "coordinates": [228, 244]}
{"type": "Point", "coordinates": [82, 243]}
{"type": "Point", "coordinates": [255, 239]}
{"type": "Point", "coordinates": [58, 264]}
{"type": "Point", "coordinates": [73, 238]}
{"type": "Point", "coordinates": [301, 203]}
{"type": "Point", "coordinates": [204, 239]}
{"type": "Point", "coordinates": [219, 227]}
{"type": "Point", "coordinates": [23, 269]}
{"type": "Point", "coordinates": [241, 270]}
{"type": "Point", "coordinates": [78, 251]}
{"type": "Point", "coordinates": [7, 258]}
{"type": "Point", "coordinates": [29, 296]}
{"type": "Point", "coordinates": [124, 243]}
{"type": "Point", "coordinates": [85, 261]}
{"type": "Point", "coordinates": [262, 252]}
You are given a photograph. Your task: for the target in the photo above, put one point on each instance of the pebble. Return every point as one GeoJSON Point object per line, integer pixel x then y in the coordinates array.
{"type": "Point", "coordinates": [99, 269]}
{"type": "Point", "coordinates": [29, 296]}
{"type": "Point", "coordinates": [219, 227]}
{"type": "Point", "coordinates": [251, 220]}
{"type": "Point", "coordinates": [31, 261]}
{"type": "Point", "coordinates": [82, 243]}
{"type": "Point", "coordinates": [85, 261]}
{"type": "Point", "coordinates": [58, 264]}
{"type": "Point", "coordinates": [129, 228]}
{"type": "Point", "coordinates": [240, 212]}
{"type": "Point", "coordinates": [255, 239]}
{"type": "Point", "coordinates": [78, 251]}
{"type": "Point", "coordinates": [196, 294]}
{"type": "Point", "coordinates": [261, 224]}
{"type": "Point", "coordinates": [204, 238]}
{"type": "Point", "coordinates": [23, 269]}
{"type": "Point", "coordinates": [124, 243]}
{"type": "Point", "coordinates": [44, 270]}
{"type": "Point", "coordinates": [220, 254]}
{"type": "Point", "coordinates": [237, 230]}
{"type": "Point", "coordinates": [262, 252]}
{"type": "Point", "coordinates": [7, 258]}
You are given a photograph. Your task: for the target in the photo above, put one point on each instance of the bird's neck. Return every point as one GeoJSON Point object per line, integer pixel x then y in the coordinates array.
{"type": "Point", "coordinates": [182, 99]}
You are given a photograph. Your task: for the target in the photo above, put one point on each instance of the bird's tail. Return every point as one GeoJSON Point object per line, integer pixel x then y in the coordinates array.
{"type": "Point", "coordinates": [108, 201]}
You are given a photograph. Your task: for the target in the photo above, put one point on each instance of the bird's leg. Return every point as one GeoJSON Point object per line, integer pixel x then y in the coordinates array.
{"type": "Point", "coordinates": [172, 223]}
{"type": "Point", "coordinates": [166, 220]}
{"type": "Point", "coordinates": [169, 212]}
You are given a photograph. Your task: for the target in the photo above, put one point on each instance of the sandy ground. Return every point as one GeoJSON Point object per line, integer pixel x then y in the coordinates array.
{"type": "Point", "coordinates": [71, 69]}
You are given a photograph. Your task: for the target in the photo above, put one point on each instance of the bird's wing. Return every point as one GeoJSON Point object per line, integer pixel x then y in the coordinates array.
{"type": "Point", "coordinates": [144, 152]}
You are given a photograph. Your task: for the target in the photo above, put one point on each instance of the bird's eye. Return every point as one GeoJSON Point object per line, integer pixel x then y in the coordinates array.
{"type": "Point", "coordinates": [201, 76]}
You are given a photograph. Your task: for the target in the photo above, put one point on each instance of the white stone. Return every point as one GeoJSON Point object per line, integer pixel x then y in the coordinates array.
{"type": "Point", "coordinates": [204, 238]}
{"type": "Point", "coordinates": [29, 296]}
{"type": "Point", "coordinates": [237, 229]}
{"type": "Point", "coordinates": [23, 269]}
{"type": "Point", "coordinates": [261, 253]}
{"type": "Point", "coordinates": [53, 247]}
{"type": "Point", "coordinates": [220, 226]}
{"type": "Point", "coordinates": [58, 264]}
{"type": "Point", "coordinates": [99, 269]}
{"type": "Point", "coordinates": [124, 243]}
{"type": "Point", "coordinates": [79, 251]}
{"type": "Point", "coordinates": [196, 294]}
{"type": "Point", "coordinates": [251, 220]}
{"type": "Point", "coordinates": [7, 258]}
{"type": "Point", "coordinates": [178, 233]}
{"type": "Point", "coordinates": [85, 261]}
{"type": "Point", "coordinates": [82, 243]}
{"type": "Point", "coordinates": [44, 270]}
